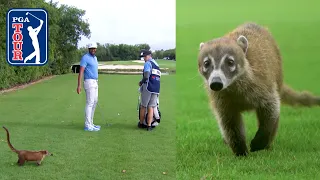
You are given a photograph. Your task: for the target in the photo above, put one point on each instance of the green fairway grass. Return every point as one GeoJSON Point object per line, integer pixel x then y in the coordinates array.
{"type": "Point", "coordinates": [201, 152]}
{"type": "Point", "coordinates": [50, 115]}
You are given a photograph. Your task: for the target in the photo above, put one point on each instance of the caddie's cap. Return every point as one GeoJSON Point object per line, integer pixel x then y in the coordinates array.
{"type": "Point", "coordinates": [144, 53]}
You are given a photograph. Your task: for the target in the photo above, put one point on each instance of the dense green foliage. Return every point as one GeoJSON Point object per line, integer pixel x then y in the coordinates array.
{"type": "Point", "coordinates": [114, 52]}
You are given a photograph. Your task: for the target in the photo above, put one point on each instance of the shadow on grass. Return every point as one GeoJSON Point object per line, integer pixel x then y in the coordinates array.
{"type": "Point", "coordinates": [123, 126]}
{"type": "Point", "coordinates": [218, 149]}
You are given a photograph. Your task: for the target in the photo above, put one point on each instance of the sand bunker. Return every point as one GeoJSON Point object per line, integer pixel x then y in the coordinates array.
{"type": "Point", "coordinates": [136, 67]}
{"type": "Point", "coordinates": [132, 67]}
{"type": "Point", "coordinates": [138, 61]}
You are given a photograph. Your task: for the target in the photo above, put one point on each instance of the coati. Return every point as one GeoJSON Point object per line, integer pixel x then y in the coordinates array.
{"type": "Point", "coordinates": [243, 71]}
{"type": "Point", "coordinates": [24, 155]}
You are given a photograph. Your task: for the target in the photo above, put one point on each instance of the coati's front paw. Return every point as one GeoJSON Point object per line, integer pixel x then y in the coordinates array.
{"type": "Point", "coordinates": [243, 151]}
{"type": "Point", "coordinates": [240, 149]}
{"type": "Point", "coordinates": [239, 154]}
{"type": "Point", "coordinates": [258, 144]}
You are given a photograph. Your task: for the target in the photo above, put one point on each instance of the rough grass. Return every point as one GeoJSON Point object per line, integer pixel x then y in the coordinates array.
{"type": "Point", "coordinates": [50, 115]}
{"type": "Point", "coordinates": [201, 152]}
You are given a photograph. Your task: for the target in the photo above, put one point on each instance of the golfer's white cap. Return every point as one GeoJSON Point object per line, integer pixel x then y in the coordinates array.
{"type": "Point", "coordinates": [92, 45]}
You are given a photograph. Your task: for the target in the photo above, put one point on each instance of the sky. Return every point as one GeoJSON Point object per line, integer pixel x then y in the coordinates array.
{"type": "Point", "coordinates": [129, 21]}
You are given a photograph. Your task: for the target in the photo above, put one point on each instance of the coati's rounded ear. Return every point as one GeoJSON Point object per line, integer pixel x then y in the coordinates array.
{"type": "Point", "coordinates": [243, 43]}
{"type": "Point", "coordinates": [201, 45]}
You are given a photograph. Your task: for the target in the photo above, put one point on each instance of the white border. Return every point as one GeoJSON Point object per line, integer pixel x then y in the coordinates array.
{"type": "Point", "coordinates": [46, 29]}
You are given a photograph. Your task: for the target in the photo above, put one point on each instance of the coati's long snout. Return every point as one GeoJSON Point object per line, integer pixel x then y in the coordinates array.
{"type": "Point", "coordinates": [216, 84]}
{"type": "Point", "coordinates": [218, 80]}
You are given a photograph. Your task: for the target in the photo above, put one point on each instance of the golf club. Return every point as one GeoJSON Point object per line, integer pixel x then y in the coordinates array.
{"type": "Point", "coordinates": [32, 15]}
{"type": "Point", "coordinates": [139, 91]}
{"type": "Point", "coordinates": [107, 124]}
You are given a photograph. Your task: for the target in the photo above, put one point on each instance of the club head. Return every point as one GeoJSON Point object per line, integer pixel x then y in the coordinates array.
{"type": "Point", "coordinates": [27, 13]}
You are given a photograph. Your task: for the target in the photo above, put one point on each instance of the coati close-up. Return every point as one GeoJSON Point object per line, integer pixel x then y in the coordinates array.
{"type": "Point", "coordinates": [243, 71]}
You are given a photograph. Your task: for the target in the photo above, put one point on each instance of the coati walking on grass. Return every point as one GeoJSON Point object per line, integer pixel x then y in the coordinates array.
{"type": "Point", "coordinates": [24, 155]}
{"type": "Point", "coordinates": [243, 71]}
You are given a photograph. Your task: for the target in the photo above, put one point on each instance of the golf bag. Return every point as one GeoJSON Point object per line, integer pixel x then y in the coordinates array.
{"type": "Point", "coordinates": [156, 114]}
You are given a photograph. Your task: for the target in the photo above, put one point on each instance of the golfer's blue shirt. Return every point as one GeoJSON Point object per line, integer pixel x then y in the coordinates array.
{"type": "Point", "coordinates": [90, 63]}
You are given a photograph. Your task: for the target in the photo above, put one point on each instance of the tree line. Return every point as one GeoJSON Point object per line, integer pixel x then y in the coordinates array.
{"type": "Point", "coordinates": [115, 52]}
{"type": "Point", "coordinates": [66, 27]}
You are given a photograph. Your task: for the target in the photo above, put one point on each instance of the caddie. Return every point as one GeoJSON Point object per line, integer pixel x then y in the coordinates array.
{"type": "Point", "coordinates": [149, 87]}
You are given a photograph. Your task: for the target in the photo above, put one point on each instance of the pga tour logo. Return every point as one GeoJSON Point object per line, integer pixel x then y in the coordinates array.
{"type": "Point", "coordinates": [27, 37]}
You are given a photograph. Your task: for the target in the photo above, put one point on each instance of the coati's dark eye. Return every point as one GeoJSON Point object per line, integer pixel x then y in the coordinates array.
{"type": "Point", "coordinates": [230, 62]}
{"type": "Point", "coordinates": [206, 63]}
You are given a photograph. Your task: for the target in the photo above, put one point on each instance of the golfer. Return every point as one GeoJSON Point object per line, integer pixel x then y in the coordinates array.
{"type": "Point", "coordinates": [149, 87]}
{"type": "Point", "coordinates": [89, 68]}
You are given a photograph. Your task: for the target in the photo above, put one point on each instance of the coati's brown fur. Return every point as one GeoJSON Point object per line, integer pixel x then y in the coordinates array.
{"type": "Point", "coordinates": [243, 71]}
{"type": "Point", "coordinates": [24, 155]}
